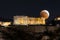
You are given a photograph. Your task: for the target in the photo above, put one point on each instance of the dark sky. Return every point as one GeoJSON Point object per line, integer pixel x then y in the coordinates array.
{"type": "Point", "coordinates": [30, 8]}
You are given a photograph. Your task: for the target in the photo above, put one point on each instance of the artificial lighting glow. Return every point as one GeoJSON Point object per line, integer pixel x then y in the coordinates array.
{"type": "Point", "coordinates": [58, 18]}
{"type": "Point", "coordinates": [0, 23]}
{"type": "Point", "coordinates": [6, 24]}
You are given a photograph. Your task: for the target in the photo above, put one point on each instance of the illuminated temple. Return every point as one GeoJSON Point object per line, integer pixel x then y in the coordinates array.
{"type": "Point", "coordinates": [25, 20]}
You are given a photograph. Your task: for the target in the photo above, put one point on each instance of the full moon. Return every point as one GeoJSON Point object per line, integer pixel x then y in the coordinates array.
{"type": "Point", "coordinates": [44, 14]}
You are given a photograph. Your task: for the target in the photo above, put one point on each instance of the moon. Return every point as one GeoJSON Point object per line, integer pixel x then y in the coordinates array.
{"type": "Point", "coordinates": [44, 14]}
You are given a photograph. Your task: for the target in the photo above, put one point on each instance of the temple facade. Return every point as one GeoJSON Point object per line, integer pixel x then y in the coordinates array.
{"type": "Point", "coordinates": [25, 20]}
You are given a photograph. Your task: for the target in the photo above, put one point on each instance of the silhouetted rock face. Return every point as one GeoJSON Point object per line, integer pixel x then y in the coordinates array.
{"type": "Point", "coordinates": [16, 33]}
{"type": "Point", "coordinates": [1, 36]}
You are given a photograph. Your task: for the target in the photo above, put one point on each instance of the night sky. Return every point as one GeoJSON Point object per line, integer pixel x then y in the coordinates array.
{"type": "Point", "coordinates": [30, 8]}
